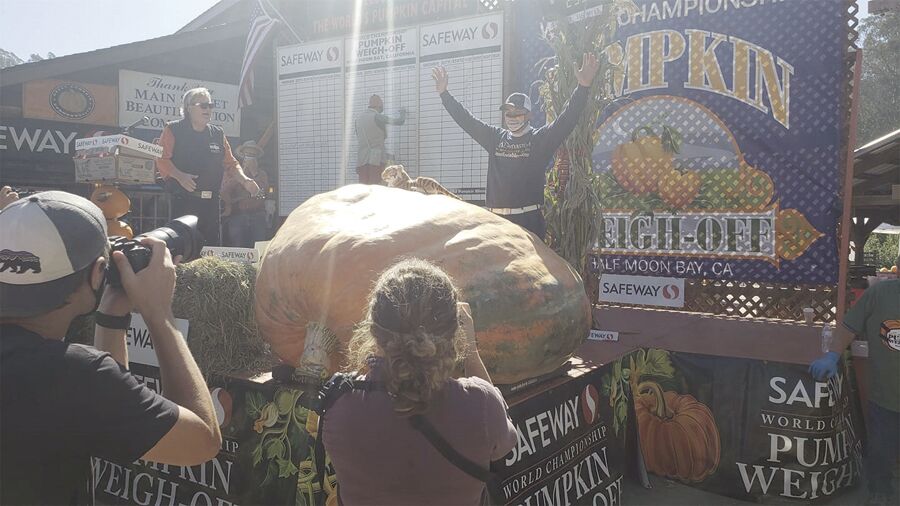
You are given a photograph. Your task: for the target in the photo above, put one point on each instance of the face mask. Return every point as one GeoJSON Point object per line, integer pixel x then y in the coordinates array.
{"type": "Point", "coordinates": [517, 124]}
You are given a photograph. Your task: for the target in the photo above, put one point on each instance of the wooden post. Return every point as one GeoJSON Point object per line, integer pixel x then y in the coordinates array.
{"type": "Point", "coordinates": [844, 247]}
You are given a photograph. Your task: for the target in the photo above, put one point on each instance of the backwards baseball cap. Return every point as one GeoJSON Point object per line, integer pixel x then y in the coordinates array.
{"type": "Point", "coordinates": [517, 101]}
{"type": "Point", "coordinates": [46, 239]}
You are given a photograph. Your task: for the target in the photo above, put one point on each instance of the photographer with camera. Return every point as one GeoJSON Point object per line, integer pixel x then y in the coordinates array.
{"type": "Point", "coordinates": [62, 403]}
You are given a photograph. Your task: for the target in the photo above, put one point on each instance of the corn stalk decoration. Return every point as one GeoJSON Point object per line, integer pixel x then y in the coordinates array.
{"type": "Point", "coordinates": [571, 197]}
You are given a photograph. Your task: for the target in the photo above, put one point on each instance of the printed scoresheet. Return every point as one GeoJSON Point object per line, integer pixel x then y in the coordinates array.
{"type": "Point", "coordinates": [324, 86]}
{"type": "Point", "coordinates": [310, 123]}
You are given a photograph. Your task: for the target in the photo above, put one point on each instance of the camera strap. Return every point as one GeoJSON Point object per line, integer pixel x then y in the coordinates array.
{"type": "Point", "coordinates": [331, 391]}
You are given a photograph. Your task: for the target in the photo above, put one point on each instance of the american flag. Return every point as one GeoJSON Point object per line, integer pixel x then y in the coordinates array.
{"type": "Point", "coordinates": [261, 24]}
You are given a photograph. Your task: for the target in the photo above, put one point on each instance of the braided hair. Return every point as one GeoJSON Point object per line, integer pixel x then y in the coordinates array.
{"type": "Point", "coordinates": [412, 321]}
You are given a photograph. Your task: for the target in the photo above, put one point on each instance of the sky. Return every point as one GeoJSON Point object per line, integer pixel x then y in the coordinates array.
{"type": "Point", "coordinates": [71, 26]}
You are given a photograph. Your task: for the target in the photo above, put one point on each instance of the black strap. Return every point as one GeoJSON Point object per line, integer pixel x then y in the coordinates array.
{"type": "Point", "coordinates": [331, 391]}
{"type": "Point", "coordinates": [421, 424]}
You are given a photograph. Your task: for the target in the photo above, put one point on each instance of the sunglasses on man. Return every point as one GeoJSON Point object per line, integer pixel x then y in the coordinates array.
{"type": "Point", "coordinates": [204, 105]}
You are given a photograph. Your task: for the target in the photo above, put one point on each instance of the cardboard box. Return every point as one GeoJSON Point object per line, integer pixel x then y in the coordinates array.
{"type": "Point", "coordinates": [115, 159]}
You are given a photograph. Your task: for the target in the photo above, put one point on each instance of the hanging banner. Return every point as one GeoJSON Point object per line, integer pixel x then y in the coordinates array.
{"type": "Point", "coordinates": [71, 102]}
{"type": "Point", "coordinates": [782, 435]}
{"type": "Point", "coordinates": [722, 157]}
{"type": "Point", "coordinates": [265, 458]}
{"type": "Point", "coordinates": [159, 97]}
{"type": "Point", "coordinates": [571, 444]}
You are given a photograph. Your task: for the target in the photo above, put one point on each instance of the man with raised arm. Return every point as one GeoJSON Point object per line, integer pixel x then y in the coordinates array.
{"type": "Point", "coordinates": [519, 154]}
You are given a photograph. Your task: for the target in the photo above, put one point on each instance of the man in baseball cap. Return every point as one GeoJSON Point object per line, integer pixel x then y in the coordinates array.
{"type": "Point", "coordinates": [65, 403]}
{"type": "Point", "coordinates": [519, 155]}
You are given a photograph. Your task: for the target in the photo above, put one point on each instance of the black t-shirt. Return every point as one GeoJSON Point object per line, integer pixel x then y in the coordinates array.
{"type": "Point", "coordinates": [61, 404]}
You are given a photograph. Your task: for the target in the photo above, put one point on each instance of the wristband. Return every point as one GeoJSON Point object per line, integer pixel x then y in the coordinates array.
{"type": "Point", "coordinates": [112, 322]}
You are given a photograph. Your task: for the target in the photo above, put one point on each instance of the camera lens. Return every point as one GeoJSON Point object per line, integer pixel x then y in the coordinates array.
{"type": "Point", "coordinates": [181, 237]}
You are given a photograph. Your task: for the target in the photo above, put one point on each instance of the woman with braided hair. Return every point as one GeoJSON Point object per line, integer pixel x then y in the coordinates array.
{"type": "Point", "coordinates": [415, 333]}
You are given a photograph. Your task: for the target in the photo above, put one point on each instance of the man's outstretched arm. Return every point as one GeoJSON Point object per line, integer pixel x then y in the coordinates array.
{"type": "Point", "coordinates": [557, 131]}
{"type": "Point", "coordinates": [484, 134]}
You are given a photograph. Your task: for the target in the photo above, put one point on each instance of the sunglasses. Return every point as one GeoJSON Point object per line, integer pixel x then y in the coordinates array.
{"type": "Point", "coordinates": [204, 105]}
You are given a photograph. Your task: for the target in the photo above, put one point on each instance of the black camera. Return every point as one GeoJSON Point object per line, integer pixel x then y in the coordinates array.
{"type": "Point", "coordinates": [180, 235]}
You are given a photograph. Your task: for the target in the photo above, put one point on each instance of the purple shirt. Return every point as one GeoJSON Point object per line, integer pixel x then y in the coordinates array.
{"type": "Point", "coordinates": [381, 459]}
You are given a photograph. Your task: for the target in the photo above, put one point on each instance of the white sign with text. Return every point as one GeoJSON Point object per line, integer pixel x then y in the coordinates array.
{"type": "Point", "coordinates": [643, 290]}
{"type": "Point", "coordinates": [140, 344]}
{"type": "Point", "coordinates": [603, 335]}
{"type": "Point", "coordinates": [242, 255]}
{"type": "Point", "coordinates": [159, 97]}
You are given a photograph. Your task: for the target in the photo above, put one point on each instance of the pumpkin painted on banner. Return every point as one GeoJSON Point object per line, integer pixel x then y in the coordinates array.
{"type": "Point", "coordinates": [639, 165]}
{"type": "Point", "coordinates": [679, 437]}
{"type": "Point", "coordinates": [529, 305]}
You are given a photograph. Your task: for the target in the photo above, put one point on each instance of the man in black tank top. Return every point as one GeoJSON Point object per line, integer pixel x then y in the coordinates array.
{"type": "Point", "coordinates": [196, 156]}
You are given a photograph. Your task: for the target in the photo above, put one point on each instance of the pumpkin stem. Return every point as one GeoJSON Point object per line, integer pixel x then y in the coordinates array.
{"type": "Point", "coordinates": [318, 344]}
{"type": "Point", "coordinates": [642, 129]}
{"type": "Point", "coordinates": [662, 411]}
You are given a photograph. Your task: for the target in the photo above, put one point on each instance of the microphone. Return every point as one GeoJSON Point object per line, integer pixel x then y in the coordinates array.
{"type": "Point", "coordinates": [140, 122]}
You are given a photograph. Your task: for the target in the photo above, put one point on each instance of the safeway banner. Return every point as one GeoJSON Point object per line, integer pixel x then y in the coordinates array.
{"type": "Point", "coordinates": [722, 157]}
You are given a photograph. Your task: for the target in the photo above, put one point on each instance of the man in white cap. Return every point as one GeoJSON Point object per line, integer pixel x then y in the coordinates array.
{"type": "Point", "coordinates": [62, 403]}
{"type": "Point", "coordinates": [371, 133]}
{"type": "Point", "coordinates": [519, 154]}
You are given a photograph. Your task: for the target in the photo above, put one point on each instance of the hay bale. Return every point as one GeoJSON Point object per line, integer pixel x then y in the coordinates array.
{"type": "Point", "coordinates": [216, 296]}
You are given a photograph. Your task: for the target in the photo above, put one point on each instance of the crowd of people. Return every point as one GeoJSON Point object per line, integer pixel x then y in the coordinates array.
{"type": "Point", "coordinates": [66, 403]}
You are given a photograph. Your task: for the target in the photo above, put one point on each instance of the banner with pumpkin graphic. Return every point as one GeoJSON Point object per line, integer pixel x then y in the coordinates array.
{"type": "Point", "coordinates": [780, 436]}
{"type": "Point", "coordinates": [721, 157]}
{"type": "Point", "coordinates": [266, 455]}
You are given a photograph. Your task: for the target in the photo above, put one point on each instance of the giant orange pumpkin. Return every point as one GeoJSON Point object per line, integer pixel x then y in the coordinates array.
{"type": "Point", "coordinates": [679, 437]}
{"type": "Point", "coordinates": [529, 305]}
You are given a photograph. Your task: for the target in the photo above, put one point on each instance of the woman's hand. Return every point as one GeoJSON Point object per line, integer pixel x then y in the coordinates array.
{"type": "Point", "coordinates": [467, 324]}
{"type": "Point", "coordinates": [472, 364]}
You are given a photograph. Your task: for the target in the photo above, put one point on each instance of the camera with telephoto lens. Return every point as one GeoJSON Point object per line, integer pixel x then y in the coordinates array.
{"type": "Point", "coordinates": [181, 238]}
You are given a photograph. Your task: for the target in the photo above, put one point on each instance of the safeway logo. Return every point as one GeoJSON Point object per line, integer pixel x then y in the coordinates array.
{"type": "Point", "coordinates": [671, 292]}
{"type": "Point", "coordinates": [332, 54]}
{"type": "Point", "coordinates": [590, 404]}
{"type": "Point", "coordinates": [642, 290]}
{"type": "Point", "coordinates": [490, 30]}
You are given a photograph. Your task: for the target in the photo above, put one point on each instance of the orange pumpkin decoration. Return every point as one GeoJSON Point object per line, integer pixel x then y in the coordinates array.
{"type": "Point", "coordinates": [111, 201]}
{"type": "Point", "coordinates": [679, 437]}
{"type": "Point", "coordinates": [679, 189]}
{"type": "Point", "coordinates": [118, 227]}
{"type": "Point", "coordinates": [640, 164]}
{"type": "Point", "coordinates": [529, 305]}
{"type": "Point", "coordinates": [754, 189]}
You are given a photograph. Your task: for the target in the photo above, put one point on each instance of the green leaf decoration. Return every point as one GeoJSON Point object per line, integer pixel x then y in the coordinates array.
{"type": "Point", "coordinates": [284, 400]}
{"type": "Point", "coordinates": [257, 454]}
{"type": "Point", "coordinates": [274, 448]}
{"type": "Point", "coordinates": [657, 363]}
{"type": "Point", "coordinates": [254, 402]}
{"type": "Point", "coordinates": [286, 469]}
